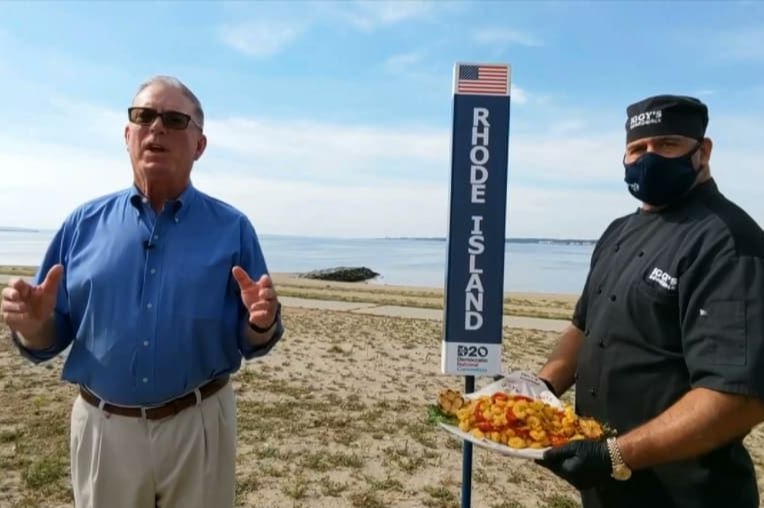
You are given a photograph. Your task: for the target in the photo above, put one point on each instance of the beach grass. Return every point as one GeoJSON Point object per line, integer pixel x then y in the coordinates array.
{"type": "Point", "coordinates": [334, 417]}
{"type": "Point", "coordinates": [18, 271]}
{"type": "Point", "coordinates": [553, 306]}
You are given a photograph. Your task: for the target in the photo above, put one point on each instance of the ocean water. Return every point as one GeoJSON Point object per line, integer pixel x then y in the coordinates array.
{"type": "Point", "coordinates": [533, 267]}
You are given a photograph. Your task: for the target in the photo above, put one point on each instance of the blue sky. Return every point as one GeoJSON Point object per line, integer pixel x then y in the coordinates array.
{"type": "Point", "coordinates": [341, 111]}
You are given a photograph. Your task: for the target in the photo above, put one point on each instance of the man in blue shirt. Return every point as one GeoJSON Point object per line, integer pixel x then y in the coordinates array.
{"type": "Point", "coordinates": [160, 290]}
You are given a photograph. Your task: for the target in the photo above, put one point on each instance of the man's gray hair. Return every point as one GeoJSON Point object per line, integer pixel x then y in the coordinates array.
{"type": "Point", "coordinates": [176, 83]}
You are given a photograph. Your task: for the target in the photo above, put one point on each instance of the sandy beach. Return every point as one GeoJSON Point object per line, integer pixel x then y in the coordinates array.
{"type": "Point", "coordinates": [334, 417]}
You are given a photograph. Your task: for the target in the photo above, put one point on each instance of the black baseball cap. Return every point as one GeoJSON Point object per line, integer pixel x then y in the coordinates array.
{"type": "Point", "coordinates": [663, 115]}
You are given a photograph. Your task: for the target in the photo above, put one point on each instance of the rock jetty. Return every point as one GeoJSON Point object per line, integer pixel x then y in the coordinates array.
{"type": "Point", "coordinates": [342, 274]}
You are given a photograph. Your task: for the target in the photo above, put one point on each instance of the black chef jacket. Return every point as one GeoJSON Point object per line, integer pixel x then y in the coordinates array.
{"type": "Point", "coordinates": [673, 301]}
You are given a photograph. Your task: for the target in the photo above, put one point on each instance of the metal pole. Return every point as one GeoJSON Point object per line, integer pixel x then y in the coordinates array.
{"type": "Point", "coordinates": [469, 387]}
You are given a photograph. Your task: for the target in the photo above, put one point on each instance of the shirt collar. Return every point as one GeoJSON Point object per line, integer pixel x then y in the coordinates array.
{"type": "Point", "coordinates": [180, 206]}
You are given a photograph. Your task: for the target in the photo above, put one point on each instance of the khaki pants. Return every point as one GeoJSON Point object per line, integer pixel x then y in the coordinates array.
{"type": "Point", "coordinates": [184, 461]}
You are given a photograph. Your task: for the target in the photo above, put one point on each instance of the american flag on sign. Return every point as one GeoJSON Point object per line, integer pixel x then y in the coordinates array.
{"type": "Point", "coordinates": [482, 80]}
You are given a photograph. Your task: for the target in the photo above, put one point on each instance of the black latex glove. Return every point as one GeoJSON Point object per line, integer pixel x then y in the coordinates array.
{"type": "Point", "coordinates": [582, 463]}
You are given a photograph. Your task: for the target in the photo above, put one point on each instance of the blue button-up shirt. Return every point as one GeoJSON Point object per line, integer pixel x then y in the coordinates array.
{"type": "Point", "coordinates": [148, 302]}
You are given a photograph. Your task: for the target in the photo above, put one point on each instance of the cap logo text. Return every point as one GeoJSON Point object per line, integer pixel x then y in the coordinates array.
{"type": "Point", "coordinates": [646, 118]}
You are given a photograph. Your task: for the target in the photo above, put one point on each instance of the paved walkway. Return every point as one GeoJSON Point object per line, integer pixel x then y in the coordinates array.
{"type": "Point", "coordinates": [551, 325]}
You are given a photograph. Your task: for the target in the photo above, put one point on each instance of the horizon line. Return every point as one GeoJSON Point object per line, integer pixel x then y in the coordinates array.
{"type": "Point", "coordinates": [23, 229]}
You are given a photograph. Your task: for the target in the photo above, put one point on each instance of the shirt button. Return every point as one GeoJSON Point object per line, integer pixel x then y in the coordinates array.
{"type": "Point", "coordinates": [153, 271]}
{"type": "Point", "coordinates": [177, 219]}
{"type": "Point", "coordinates": [145, 343]}
{"type": "Point", "coordinates": [156, 237]}
{"type": "Point", "coordinates": [145, 380]}
{"type": "Point", "coordinates": [148, 306]}
{"type": "Point", "coordinates": [612, 298]}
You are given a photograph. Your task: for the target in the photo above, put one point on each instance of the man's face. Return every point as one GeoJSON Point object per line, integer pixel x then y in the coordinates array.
{"type": "Point", "coordinates": [159, 152]}
{"type": "Point", "coordinates": [668, 146]}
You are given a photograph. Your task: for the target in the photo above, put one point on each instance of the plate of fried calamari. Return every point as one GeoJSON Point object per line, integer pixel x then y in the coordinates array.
{"type": "Point", "coordinates": [516, 416]}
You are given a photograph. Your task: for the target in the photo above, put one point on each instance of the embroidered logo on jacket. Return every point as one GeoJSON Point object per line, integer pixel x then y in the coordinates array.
{"type": "Point", "coordinates": [664, 279]}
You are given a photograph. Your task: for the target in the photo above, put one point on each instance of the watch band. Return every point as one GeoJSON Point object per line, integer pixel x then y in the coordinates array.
{"type": "Point", "coordinates": [275, 320]}
{"type": "Point", "coordinates": [620, 470]}
{"type": "Point", "coordinates": [614, 452]}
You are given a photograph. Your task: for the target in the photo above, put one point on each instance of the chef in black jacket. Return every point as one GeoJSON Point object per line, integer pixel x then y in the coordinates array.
{"type": "Point", "coordinates": [666, 341]}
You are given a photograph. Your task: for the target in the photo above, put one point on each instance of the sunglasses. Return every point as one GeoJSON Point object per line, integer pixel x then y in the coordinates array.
{"type": "Point", "coordinates": [171, 119]}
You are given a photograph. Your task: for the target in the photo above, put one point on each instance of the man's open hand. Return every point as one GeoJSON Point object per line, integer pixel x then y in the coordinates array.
{"type": "Point", "coordinates": [25, 307]}
{"type": "Point", "coordinates": [259, 297]}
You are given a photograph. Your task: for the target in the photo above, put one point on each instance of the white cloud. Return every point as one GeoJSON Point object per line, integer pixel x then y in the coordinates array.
{"type": "Point", "coordinates": [325, 151]}
{"type": "Point", "coordinates": [63, 178]}
{"type": "Point", "coordinates": [394, 208]}
{"type": "Point", "coordinates": [100, 123]}
{"type": "Point", "coordinates": [260, 38]}
{"type": "Point", "coordinates": [5, 46]}
{"type": "Point", "coordinates": [368, 16]}
{"type": "Point", "coordinates": [519, 95]}
{"type": "Point", "coordinates": [564, 213]}
{"type": "Point", "coordinates": [57, 176]}
{"type": "Point", "coordinates": [403, 62]}
{"type": "Point", "coordinates": [357, 180]}
{"type": "Point", "coordinates": [744, 43]}
{"type": "Point", "coordinates": [403, 209]}
{"type": "Point", "coordinates": [561, 157]}
{"type": "Point", "coordinates": [35, 68]}
{"type": "Point", "coordinates": [505, 36]}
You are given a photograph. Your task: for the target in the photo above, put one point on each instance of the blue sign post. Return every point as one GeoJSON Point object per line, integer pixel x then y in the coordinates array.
{"type": "Point", "coordinates": [474, 296]}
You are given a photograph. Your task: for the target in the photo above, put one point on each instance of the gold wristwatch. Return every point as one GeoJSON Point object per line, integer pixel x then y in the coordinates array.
{"type": "Point", "coordinates": [621, 471]}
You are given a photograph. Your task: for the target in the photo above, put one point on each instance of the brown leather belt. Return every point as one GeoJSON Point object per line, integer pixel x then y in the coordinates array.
{"type": "Point", "coordinates": [171, 408]}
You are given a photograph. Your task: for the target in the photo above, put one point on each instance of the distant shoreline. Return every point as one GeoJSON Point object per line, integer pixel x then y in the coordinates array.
{"type": "Point", "coordinates": [523, 240]}
{"type": "Point", "coordinates": [557, 241]}
{"type": "Point", "coordinates": [9, 229]}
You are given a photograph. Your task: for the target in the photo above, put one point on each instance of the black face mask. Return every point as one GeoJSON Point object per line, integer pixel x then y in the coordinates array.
{"type": "Point", "coordinates": [658, 180]}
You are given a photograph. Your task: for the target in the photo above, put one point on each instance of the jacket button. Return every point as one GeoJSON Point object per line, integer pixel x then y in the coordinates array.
{"type": "Point", "coordinates": [612, 298]}
{"type": "Point", "coordinates": [592, 392]}
{"type": "Point", "coordinates": [602, 343]}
